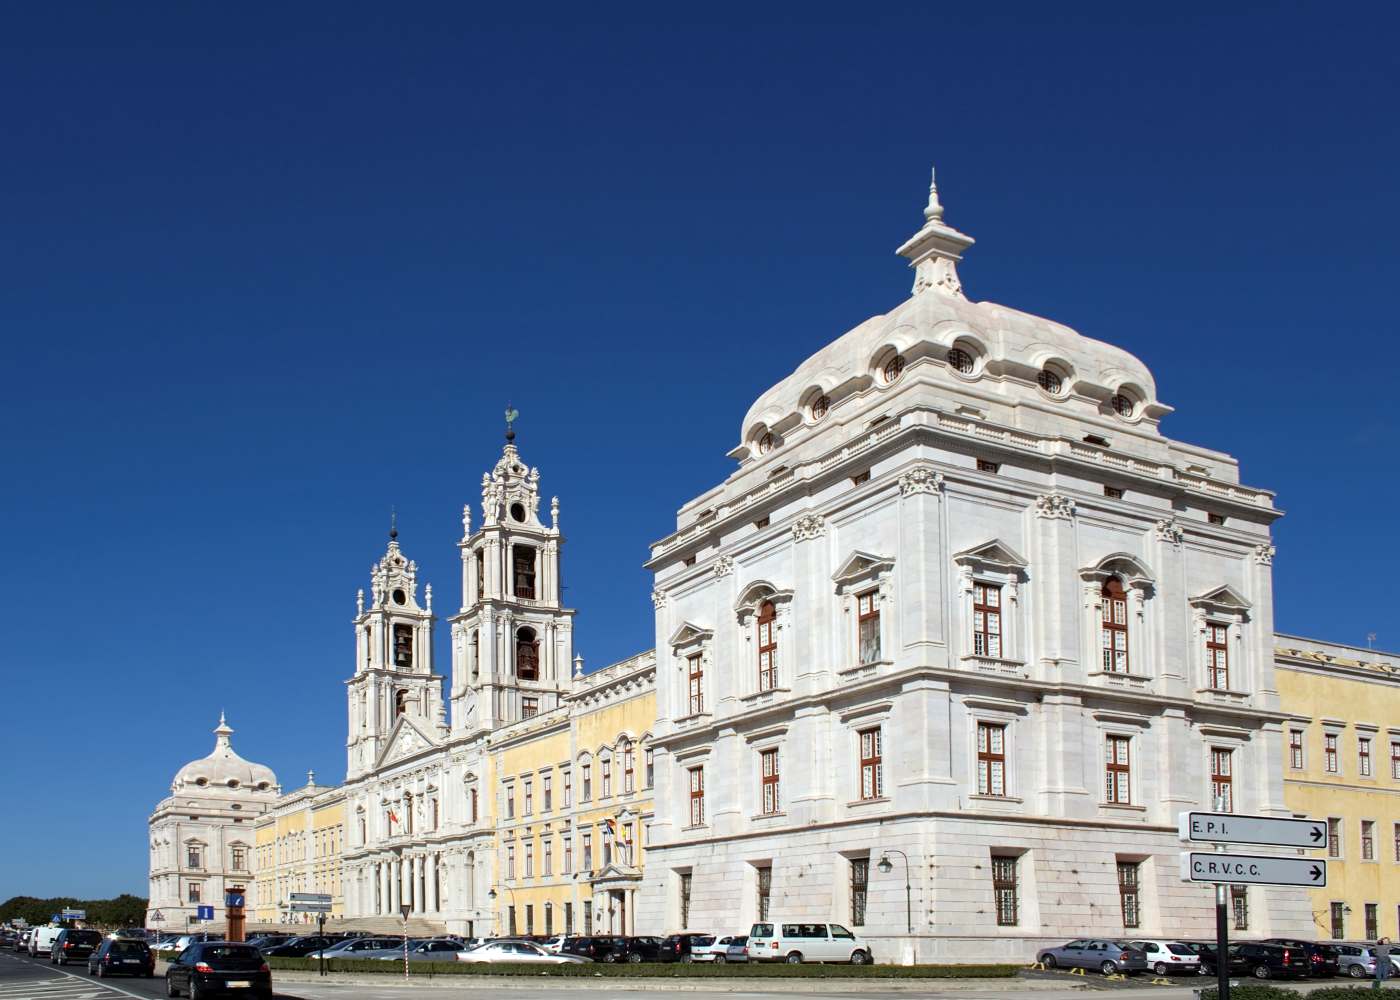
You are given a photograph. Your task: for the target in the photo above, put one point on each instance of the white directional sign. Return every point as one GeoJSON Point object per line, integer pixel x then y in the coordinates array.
{"type": "Point", "coordinates": [1252, 869]}
{"type": "Point", "coordinates": [310, 897]}
{"type": "Point", "coordinates": [1227, 828]}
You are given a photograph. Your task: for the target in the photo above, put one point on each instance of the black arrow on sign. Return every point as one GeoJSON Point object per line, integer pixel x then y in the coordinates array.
{"type": "Point", "coordinates": [1316, 873]}
{"type": "Point", "coordinates": [1316, 834]}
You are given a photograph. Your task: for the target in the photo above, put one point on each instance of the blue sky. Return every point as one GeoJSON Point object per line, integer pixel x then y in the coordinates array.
{"type": "Point", "coordinates": [269, 270]}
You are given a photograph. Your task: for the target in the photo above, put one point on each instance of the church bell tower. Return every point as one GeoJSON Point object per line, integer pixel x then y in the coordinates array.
{"type": "Point", "coordinates": [512, 641]}
{"type": "Point", "coordinates": [393, 661]}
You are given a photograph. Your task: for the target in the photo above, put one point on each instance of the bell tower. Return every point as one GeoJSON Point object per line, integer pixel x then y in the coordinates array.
{"type": "Point", "coordinates": [512, 641]}
{"type": "Point", "coordinates": [393, 660]}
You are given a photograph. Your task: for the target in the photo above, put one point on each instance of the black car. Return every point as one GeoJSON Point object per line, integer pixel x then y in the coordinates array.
{"type": "Point", "coordinates": [1323, 959]}
{"type": "Point", "coordinates": [211, 967]}
{"type": "Point", "coordinates": [599, 949]}
{"type": "Point", "coordinates": [72, 944]}
{"type": "Point", "coordinates": [122, 956]}
{"type": "Point", "coordinates": [678, 947]}
{"type": "Point", "coordinates": [1266, 961]}
{"type": "Point", "coordinates": [299, 947]}
{"type": "Point", "coordinates": [638, 949]}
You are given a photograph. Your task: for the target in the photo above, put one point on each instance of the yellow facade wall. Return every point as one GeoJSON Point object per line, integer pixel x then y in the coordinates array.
{"type": "Point", "coordinates": [1342, 763]}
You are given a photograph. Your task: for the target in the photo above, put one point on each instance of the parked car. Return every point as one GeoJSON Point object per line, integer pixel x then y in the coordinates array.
{"type": "Point", "coordinates": [1359, 961]}
{"type": "Point", "coordinates": [298, 947]}
{"type": "Point", "coordinates": [122, 956]}
{"type": "Point", "coordinates": [428, 950]}
{"type": "Point", "coordinates": [219, 967]}
{"type": "Point", "coordinates": [681, 947]}
{"type": "Point", "coordinates": [718, 949]}
{"type": "Point", "coordinates": [636, 949]}
{"type": "Point", "coordinates": [22, 942]}
{"type": "Point", "coordinates": [183, 941]}
{"type": "Point", "coordinates": [595, 948]}
{"type": "Point", "coordinates": [42, 940]}
{"type": "Point", "coordinates": [355, 947]}
{"type": "Point", "coordinates": [795, 943]}
{"type": "Point", "coordinates": [1269, 961]}
{"type": "Point", "coordinates": [509, 952]}
{"type": "Point", "coordinates": [73, 944]}
{"type": "Point", "coordinates": [1104, 954]}
{"type": "Point", "coordinates": [554, 944]}
{"type": "Point", "coordinates": [1166, 957]}
{"type": "Point", "coordinates": [738, 950]}
{"type": "Point", "coordinates": [1322, 958]}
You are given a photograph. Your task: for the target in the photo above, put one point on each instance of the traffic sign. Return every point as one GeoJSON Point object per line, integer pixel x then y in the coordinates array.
{"type": "Point", "coordinates": [309, 907]}
{"type": "Point", "coordinates": [310, 897]}
{"type": "Point", "coordinates": [204, 913]}
{"type": "Point", "coordinates": [69, 914]}
{"type": "Point", "coordinates": [232, 899]}
{"type": "Point", "coordinates": [1252, 869]}
{"type": "Point", "coordinates": [1228, 828]}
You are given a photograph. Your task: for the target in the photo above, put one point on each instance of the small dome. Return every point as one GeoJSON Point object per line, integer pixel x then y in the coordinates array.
{"type": "Point", "coordinates": [224, 769]}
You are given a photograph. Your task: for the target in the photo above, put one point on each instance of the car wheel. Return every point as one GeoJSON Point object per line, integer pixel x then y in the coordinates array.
{"type": "Point", "coordinates": [1160, 968]}
{"type": "Point", "coordinates": [195, 991]}
{"type": "Point", "coordinates": [1262, 972]}
{"type": "Point", "coordinates": [687, 959]}
{"type": "Point", "coordinates": [720, 960]}
{"type": "Point", "coordinates": [170, 989]}
{"type": "Point", "coordinates": [1049, 961]}
{"type": "Point", "coordinates": [1108, 968]}
{"type": "Point", "coordinates": [1355, 971]}
{"type": "Point", "coordinates": [793, 958]}
{"type": "Point", "coordinates": [860, 958]}
{"type": "Point", "coordinates": [635, 957]}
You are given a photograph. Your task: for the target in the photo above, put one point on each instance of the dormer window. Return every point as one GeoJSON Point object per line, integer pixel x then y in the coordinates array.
{"type": "Point", "coordinates": [527, 655]}
{"type": "Point", "coordinates": [961, 361]}
{"type": "Point", "coordinates": [403, 645]}
{"type": "Point", "coordinates": [524, 572]}
{"type": "Point", "coordinates": [894, 368]}
{"type": "Point", "coordinates": [1123, 405]}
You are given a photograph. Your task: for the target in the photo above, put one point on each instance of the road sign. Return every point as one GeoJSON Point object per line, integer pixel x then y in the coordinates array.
{"type": "Point", "coordinates": [74, 914]}
{"type": "Point", "coordinates": [309, 907]}
{"type": "Point", "coordinates": [233, 899]}
{"type": "Point", "coordinates": [157, 917]}
{"type": "Point", "coordinates": [204, 913]}
{"type": "Point", "coordinates": [1227, 828]}
{"type": "Point", "coordinates": [310, 897]}
{"type": "Point", "coordinates": [1252, 869]}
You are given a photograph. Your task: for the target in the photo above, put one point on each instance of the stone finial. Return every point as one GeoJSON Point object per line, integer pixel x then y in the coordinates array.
{"type": "Point", "coordinates": [554, 512]}
{"type": "Point", "coordinates": [311, 777]}
{"type": "Point", "coordinates": [578, 666]}
{"type": "Point", "coordinates": [933, 211]}
{"type": "Point", "coordinates": [428, 597]}
{"type": "Point", "coordinates": [466, 520]}
{"type": "Point", "coordinates": [934, 251]}
{"type": "Point", "coordinates": [360, 601]}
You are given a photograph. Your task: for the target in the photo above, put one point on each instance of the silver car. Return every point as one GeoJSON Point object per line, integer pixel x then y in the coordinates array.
{"type": "Point", "coordinates": [512, 952]}
{"type": "Point", "coordinates": [357, 947]}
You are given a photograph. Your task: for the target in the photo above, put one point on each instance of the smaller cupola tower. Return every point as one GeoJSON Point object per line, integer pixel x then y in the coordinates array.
{"type": "Point", "coordinates": [393, 660]}
{"type": "Point", "coordinates": [512, 642]}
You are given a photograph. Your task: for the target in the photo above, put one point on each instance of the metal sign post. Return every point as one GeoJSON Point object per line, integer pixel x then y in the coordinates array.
{"type": "Point", "coordinates": [405, 909]}
{"type": "Point", "coordinates": [321, 929]}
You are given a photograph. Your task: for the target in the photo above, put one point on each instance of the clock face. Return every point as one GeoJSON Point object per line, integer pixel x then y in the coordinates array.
{"type": "Point", "coordinates": [399, 597]}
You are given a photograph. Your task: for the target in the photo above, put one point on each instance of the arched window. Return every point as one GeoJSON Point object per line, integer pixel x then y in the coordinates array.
{"type": "Point", "coordinates": [475, 653]}
{"type": "Point", "coordinates": [527, 655]}
{"type": "Point", "coordinates": [767, 647]}
{"type": "Point", "coordinates": [1114, 632]}
{"type": "Point", "coordinates": [524, 572]}
{"type": "Point", "coordinates": [400, 701]}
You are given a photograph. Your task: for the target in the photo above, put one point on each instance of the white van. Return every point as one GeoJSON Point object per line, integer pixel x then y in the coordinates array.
{"type": "Point", "coordinates": [41, 941]}
{"type": "Point", "coordinates": [795, 943]}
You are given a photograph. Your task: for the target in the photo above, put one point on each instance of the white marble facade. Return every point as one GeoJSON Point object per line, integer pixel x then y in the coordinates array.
{"type": "Point", "coordinates": [938, 464]}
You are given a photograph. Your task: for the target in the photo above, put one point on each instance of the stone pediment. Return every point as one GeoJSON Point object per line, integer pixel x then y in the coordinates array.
{"type": "Point", "coordinates": [689, 633]}
{"type": "Point", "coordinates": [1225, 597]}
{"type": "Point", "coordinates": [861, 564]}
{"type": "Point", "coordinates": [409, 736]}
{"type": "Point", "coordinates": [615, 873]}
{"type": "Point", "coordinates": [995, 553]}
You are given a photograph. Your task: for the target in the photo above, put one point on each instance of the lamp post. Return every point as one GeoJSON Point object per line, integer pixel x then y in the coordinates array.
{"type": "Point", "coordinates": [886, 866]}
{"type": "Point", "coordinates": [492, 895]}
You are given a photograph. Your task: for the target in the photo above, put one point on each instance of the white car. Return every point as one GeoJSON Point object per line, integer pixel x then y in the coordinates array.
{"type": "Point", "coordinates": [509, 952]}
{"type": "Point", "coordinates": [553, 945]}
{"type": "Point", "coordinates": [1165, 957]}
{"type": "Point", "coordinates": [794, 943]}
{"type": "Point", "coordinates": [716, 950]}
{"type": "Point", "coordinates": [41, 941]}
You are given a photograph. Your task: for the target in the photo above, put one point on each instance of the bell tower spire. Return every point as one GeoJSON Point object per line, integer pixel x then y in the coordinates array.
{"type": "Point", "coordinates": [393, 659]}
{"type": "Point", "coordinates": [512, 641]}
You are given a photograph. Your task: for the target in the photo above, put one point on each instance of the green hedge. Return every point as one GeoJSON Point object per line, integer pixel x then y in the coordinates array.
{"type": "Point", "coordinates": [1263, 991]}
{"type": "Point", "coordinates": [1355, 993]}
{"type": "Point", "coordinates": [676, 970]}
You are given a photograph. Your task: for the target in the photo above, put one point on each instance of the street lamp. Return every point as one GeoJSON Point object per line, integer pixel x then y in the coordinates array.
{"type": "Point", "coordinates": [886, 866]}
{"type": "Point", "coordinates": [491, 895]}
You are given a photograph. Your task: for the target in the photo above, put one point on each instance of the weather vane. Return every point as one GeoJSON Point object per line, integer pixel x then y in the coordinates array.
{"type": "Point", "coordinates": [512, 414]}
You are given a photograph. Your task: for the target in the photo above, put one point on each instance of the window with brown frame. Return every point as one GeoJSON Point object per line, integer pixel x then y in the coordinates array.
{"type": "Point", "coordinates": [605, 770]}
{"type": "Point", "coordinates": [547, 792]}
{"type": "Point", "coordinates": [695, 663]}
{"type": "Point", "coordinates": [868, 626]}
{"type": "Point", "coordinates": [986, 620]}
{"type": "Point", "coordinates": [697, 796]}
{"type": "Point", "coordinates": [768, 764]}
{"type": "Point", "coordinates": [524, 571]}
{"type": "Point", "coordinates": [860, 478]}
{"type": "Point", "coordinates": [1395, 759]}
{"type": "Point", "coordinates": [1329, 753]}
{"type": "Point", "coordinates": [629, 768]}
{"type": "Point", "coordinates": [1006, 891]}
{"type": "Point", "coordinates": [985, 465]}
{"type": "Point", "coordinates": [1295, 749]}
{"type": "Point", "coordinates": [1218, 656]}
{"type": "Point", "coordinates": [586, 783]}
{"type": "Point", "coordinates": [767, 647]}
{"type": "Point", "coordinates": [1128, 893]}
{"type": "Point", "coordinates": [872, 778]}
{"type": "Point", "coordinates": [1115, 626]}
{"type": "Point", "coordinates": [1334, 837]}
{"type": "Point", "coordinates": [480, 574]}
{"type": "Point", "coordinates": [1118, 775]}
{"type": "Point", "coordinates": [403, 645]}
{"type": "Point", "coordinates": [860, 889]}
{"type": "Point", "coordinates": [1339, 920]}
{"type": "Point", "coordinates": [991, 759]}
{"type": "Point", "coordinates": [1363, 756]}
{"type": "Point", "coordinates": [475, 806]}
{"type": "Point", "coordinates": [1221, 779]}
{"type": "Point", "coordinates": [1113, 492]}
{"type": "Point", "coordinates": [1239, 906]}
{"type": "Point", "coordinates": [764, 884]}
{"type": "Point", "coordinates": [527, 655]}
{"type": "Point", "coordinates": [1368, 840]}
{"type": "Point", "coordinates": [529, 707]}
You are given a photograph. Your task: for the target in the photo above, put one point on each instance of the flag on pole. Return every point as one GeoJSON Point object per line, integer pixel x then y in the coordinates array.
{"type": "Point", "coordinates": [393, 816]}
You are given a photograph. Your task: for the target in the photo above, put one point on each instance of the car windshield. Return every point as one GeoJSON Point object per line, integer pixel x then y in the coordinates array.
{"type": "Point", "coordinates": [129, 949]}
{"type": "Point", "coordinates": [85, 937]}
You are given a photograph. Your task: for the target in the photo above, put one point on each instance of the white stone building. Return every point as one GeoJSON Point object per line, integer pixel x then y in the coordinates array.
{"type": "Point", "coordinates": [202, 836]}
{"type": "Point", "coordinates": [960, 602]}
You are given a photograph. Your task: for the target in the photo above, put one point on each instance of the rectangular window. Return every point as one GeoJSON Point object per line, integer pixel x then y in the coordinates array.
{"type": "Point", "coordinates": [196, 892]}
{"type": "Point", "coordinates": [1363, 756]}
{"type": "Point", "coordinates": [1339, 921]}
{"type": "Point", "coordinates": [529, 707]}
{"type": "Point", "coordinates": [1239, 906]}
{"type": "Point", "coordinates": [768, 763]}
{"type": "Point", "coordinates": [530, 860]}
{"type": "Point", "coordinates": [1005, 890]}
{"type": "Point", "coordinates": [629, 766]}
{"type": "Point", "coordinates": [767, 647]}
{"type": "Point", "coordinates": [524, 572]}
{"type": "Point", "coordinates": [1334, 837]}
{"type": "Point", "coordinates": [529, 796]}
{"type": "Point", "coordinates": [1113, 493]}
{"type": "Point", "coordinates": [475, 806]}
{"type": "Point", "coordinates": [868, 623]}
{"type": "Point", "coordinates": [548, 919]}
{"type": "Point", "coordinates": [1128, 893]}
{"type": "Point", "coordinates": [985, 466]}
{"type": "Point", "coordinates": [860, 890]}
{"type": "Point", "coordinates": [1216, 518]}
{"type": "Point", "coordinates": [587, 790]}
{"type": "Point", "coordinates": [1221, 783]}
{"type": "Point", "coordinates": [697, 796]}
{"type": "Point", "coordinates": [1329, 753]}
{"type": "Point", "coordinates": [510, 861]}
{"type": "Point", "coordinates": [872, 779]}
{"type": "Point", "coordinates": [510, 912]}
{"type": "Point", "coordinates": [765, 890]}
{"type": "Point", "coordinates": [651, 767]}
{"type": "Point", "coordinates": [568, 917]}
{"type": "Point", "coordinates": [860, 477]}
{"type": "Point", "coordinates": [240, 859]}
{"type": "Point", "coordinates": [1295, 749]}
{"type": "Point", "coordinates": [194, 858]}
{"type": "Point", "coordinates": [991, 759]}
{"type": "Point", "coordinates": [1114, 628]}
{"type": "Point", "coordinates": [685, 899]}
{"type": "Point", "coordinates": [568, 789]}
{"type": "Point", "coordinates": [695, 665]}
{"type": "Point", "coordinates": [1218, 656]}
{"type": "Point", "coordinates": [1118, 774]}
{"type": "Point", "coordinates": [588, 852]}
{"type": "Point", "coordinates": [480, 574]}
{"type": "Point", "coordinates": [547, 792]}
{"type": "Point", "coordinates": [605, 769]}
{"type": "Point", "coordinates": [1397, 841]}
{"type": "Point", "coordinates": [1373, 920]}
{"type": "Point", "coordinates": [1368, 842]}
{"type": "Point", "coordinates": [510, 801]}
{"type": "Point", "coordinates": [587, 917]}
{"type": "Point", "coordinates": [986, 620]}
{"type": "Point", "coordinates": [1395, 759]}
